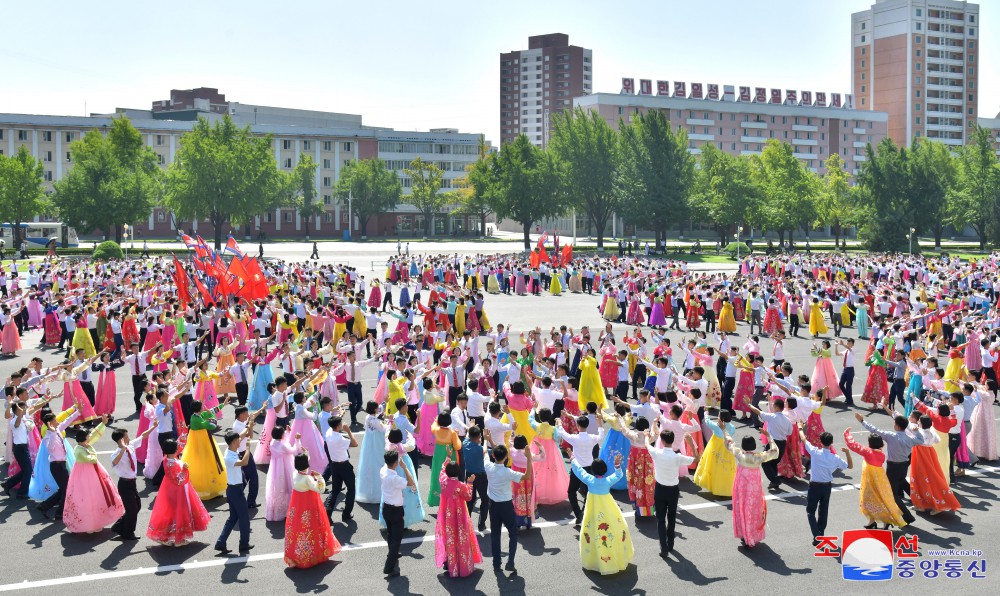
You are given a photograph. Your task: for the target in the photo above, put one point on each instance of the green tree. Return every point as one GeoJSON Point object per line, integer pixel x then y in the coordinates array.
{"type": "Point", "coordinates": [655, 173]}
{"type": "Point", "coordinates": [724, 192]}
{"type": "Point", "coordinates": [932, 174]}
{"type": "Point", "coordinates": [883, 200]}
{"type": "Point", "coordinates": [789, 190]}
{"type": "Point", "coordinates": [425, 182]}
{"type": "Point", "coordinates": [835, 204]}
{"type": "Point", "coordinates": [370, 187]}
{"type": "Point", "coordinates": [473, 188]}
{"type": "Point", "coordinates": [303, 180]}
{"type": "Point", "coordinates": [975, 197]}
{"type": "Point", "coordinates": [115, 180]}
{"type": "Point", "coordinates": [525, 185]}
{"type": "Point", "coordinates": [225, 174]}
{"type": "Point", "coordinates": [584, 147]}
{"type": "Point", "coordinates": [22, 190]}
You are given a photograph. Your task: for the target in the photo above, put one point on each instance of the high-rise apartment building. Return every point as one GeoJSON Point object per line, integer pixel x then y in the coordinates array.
{"type": "Point", "coordinates": [539, 82]}
{"type": "Point", "coordinates": [917, 60]}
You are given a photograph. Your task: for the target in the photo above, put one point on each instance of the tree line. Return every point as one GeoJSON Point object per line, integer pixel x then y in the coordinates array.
{"type": "Point", "coordinates": [642, 172]}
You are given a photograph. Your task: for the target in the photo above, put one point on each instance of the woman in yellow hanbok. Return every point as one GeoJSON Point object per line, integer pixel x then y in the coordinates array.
{"type": "Point", "coordinates": [360, 326]}
{"type": "Point", "coordinates": [605, 542]}
{"type": "Point", "coordinates": [817, 325]}
{"type": "Point", "coordinates": [492, 285]}
{"type": "Point", "coordinates": [591, 389]}
{"type": "Point", "coordinates": [717, 467]}
{"type": "Point", "coordinates": [460, 317]}
{"type": "Point", "coordinates": [611, 309]}
{"type": "Point", "coordinates": [555, 286]}
{"type": "Point", "coordinates": [955, 371]}
{"type": "Point", "coordinates": [82, 340]}
{"type": "Point", "coordinates": [727, 321]}
{"type": "Point", "coordinates": [201, 454]}
{"type": "Point", "coordinates": [876, 501]}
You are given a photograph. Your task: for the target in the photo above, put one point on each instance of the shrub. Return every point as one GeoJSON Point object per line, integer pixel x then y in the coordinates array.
{"type": "Point", "coordinates": [108, 250]}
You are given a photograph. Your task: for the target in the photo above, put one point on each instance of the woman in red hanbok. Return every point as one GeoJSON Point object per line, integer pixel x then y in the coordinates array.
{"type": "Point", "coordinates": [456, 547]}
{"type": "Point", "coordinates": [694, 314]}
{"type": "Point", "coordinates": [178, 512]}
{"type": "Point", "coordinates": [309, 541]}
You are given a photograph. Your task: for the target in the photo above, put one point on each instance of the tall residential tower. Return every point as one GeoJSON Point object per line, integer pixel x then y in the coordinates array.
{"type": "Point", "coordinates": [917, 60]}
{"type": "Point", "coordinates": [539, 82]}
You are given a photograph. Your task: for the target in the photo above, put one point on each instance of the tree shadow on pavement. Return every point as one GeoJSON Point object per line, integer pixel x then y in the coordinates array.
{"type": "Point", "coordinates": [764, 557]}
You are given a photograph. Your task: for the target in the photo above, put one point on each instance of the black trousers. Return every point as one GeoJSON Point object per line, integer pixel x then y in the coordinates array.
{"type": "Point", "coordinates": [954, 440]}
{"type": "Point", "coordinates": [575, 486]}
{"type": "Point", "coordinates": [665, 502]}
{"type": "Point", "coordinates": [239, 514]}
{"type": "Point", "coordinates": [453, 393]}
{"type": "Point", "coordinates": [770, 468]}
{"type": "Point", "coordinates": [896, 473]}
{"type": "Point", "coordinates": [88, 390]}
{"type": "Point", "coordinates": [638, 379]}
{"type": "Point", "coordinates": [341, 476]}
{"type": "Point", "coordinates": [621, 390]}
{"type": "Point", "coordinates": [479, 486]}
{"type": "Point", "coordinates": [23, 476]}
{"type": "Point", "coordinates": [187, 407]}
{"type": "Point", "coordinates": [242, 393]}
{"type": "Point", "coordinates": [125, 526]}
{"type": "Point", "coordinates": [502, 515]}
{"type": "Point", "coordinates": [794, 325]}
{"type": "Point", "coordinates": [393, 516]}
{"type": "Point", "coordinates": [728, 387]}
{"type": "Point", "coordinates": [817, 506]}
{"type": "Point", "coordinates": [847, 384]}
{"type": "Point", "coordinates": [138, 386]}
{"type": "Point", "coordinates": [161, 438]}
{"type": "Point", "coordinates": [896, 389]}
{"type": "Point", "coordinates": [354, 399]}
{"type": "Point", "coordinates": [61, 476]}
{"type": "Point", "coordinates": [250, 479]}
{"type": "Point", "coordinates": [710, 321]}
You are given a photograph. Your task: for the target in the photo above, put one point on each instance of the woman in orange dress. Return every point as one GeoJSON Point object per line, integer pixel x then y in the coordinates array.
{"type": "Point", "coordinates": [309, 540]}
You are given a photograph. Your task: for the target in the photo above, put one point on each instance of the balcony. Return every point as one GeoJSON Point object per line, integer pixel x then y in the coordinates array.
{"type": "Point", "coordinates": [860, 131]}
{"type": "Point", "coordinates": [753, 124]}
{"type": "Point", "coordinates": [750, 152]}
{"type": "Point", "coordinates": [945, 127]}
{"type": "Point", "coordinates": [945, 73]}
{"type": "Point", "coordinates": [805, 128]}
{"type": "Point", "coordinates": [860, 144]}
{"type": "Point", "coordinates": [932, 113]}
{"type": "Point", "coordinates": [944, 101]}
{"type": "Point", "coordinates": [694, 136]}
{"type": "Point", "coordinates": [753, 140]}
{"type": "Point", "coordinates": [946, 88]}
{"type": "Point", "coordinates": [812, 142]}
{"type": "Point", "coordinates": [860, 158]}
{"type": "Point", "coordinates": [804, 155]}
{"type": "Point", "coordinates": [700, 122]}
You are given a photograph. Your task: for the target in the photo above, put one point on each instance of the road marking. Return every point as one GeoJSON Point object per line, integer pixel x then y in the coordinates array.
{"type": "Point", "coordinates": [349, 547]}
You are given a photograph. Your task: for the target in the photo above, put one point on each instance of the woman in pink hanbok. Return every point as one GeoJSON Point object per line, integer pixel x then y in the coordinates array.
{"type": "Point", "coordinates": [749, 506]}
{"type": "Point", "coordinates": [92, 501]}
{"type": "Point", "coordinates": [824, 374]}
{"type": "Point", "coordinates": [456, 547]}
{"type": "Point", "coordinates": [280, 475]}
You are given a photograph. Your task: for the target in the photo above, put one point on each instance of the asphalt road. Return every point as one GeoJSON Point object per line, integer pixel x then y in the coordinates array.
{"type": "Point", "coordinates": [41, 555]}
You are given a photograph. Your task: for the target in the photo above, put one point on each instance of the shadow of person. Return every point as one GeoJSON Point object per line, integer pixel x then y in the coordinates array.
{"type": "Point", "coordinates": [533, 542]}
{"type": "Point", "coordinates": [619, 583]}
{"type": "Point", "coordinates": [171, 558]}
{"type": "Point", "coordinates": [462, 585]}
{"type": "Point", "coordinates": [78, 544]}
{"type": "Point", "coordinates": [121, 552]}
{"type": "Point", "coordinates": [686, 519]}
{"type": "Point", "coordinates": [764, 557]}
{"type": "Point", "coordinates": [310, 580]}
{"type": "Point", "coordinates": [687, 571]}
{"type": "Point", "coordinates": [232, 569]}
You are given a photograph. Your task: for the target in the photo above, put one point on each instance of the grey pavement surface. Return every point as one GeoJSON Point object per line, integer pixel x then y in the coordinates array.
{"type": "Point", "coordinates": [41, 555]}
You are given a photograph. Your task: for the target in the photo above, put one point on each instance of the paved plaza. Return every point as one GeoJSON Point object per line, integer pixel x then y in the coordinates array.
{"type": "Point", "coordinates": [41, 555]}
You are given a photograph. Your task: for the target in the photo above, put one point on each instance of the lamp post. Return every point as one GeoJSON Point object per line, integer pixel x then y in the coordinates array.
{"type": "Point", "coordinates": [737, 235]}
{"type": "Point", "coordinates": [125, 229]}
{"type": "Point", "coordinates": [350, 216]}
{"type": "Point", "coordinates": [910, 235]}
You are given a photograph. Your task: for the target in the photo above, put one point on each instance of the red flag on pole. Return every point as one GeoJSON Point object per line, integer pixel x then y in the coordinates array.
{"type": "Point", "coordinates": [543, 256]}
{"type": "Point", "coordinates": [181, 281]}
{"type": "Point", "coordinates": [206, 296]}
{"type": "Point", "coordinates": [542, 239]}
{"type": "Point", "coordinates": [567, 253]}
{"type": "Point", "coordinates": [535, 258]}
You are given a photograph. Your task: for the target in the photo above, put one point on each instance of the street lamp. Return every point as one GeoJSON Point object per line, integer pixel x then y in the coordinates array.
{"type": "Point", "coordinates": [737, 236]}
{"type": "Point", "coordinates": [350, 216]}
{"type": "Point", "coordinates": [910, 236]}
{"type": "Point", "coordinates": [125, 229]}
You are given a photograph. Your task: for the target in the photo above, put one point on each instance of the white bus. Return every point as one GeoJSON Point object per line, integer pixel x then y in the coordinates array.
{"type": "Point", "coordinates": [38, 234]}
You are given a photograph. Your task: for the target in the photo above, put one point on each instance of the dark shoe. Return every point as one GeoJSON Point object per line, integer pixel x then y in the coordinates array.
{"type": "Point", "coordinates": [774, 486]}
{"type": "Point", "coordinates": [253, 506]}
{"type": "Point", "coordinates": [347, 517]}
{"type": "Point", "coordinates": [246, 548]}
{"type": "Point", "coordinates": [222, 549]}
{"type": "Point", "coordinates": [393, 573]}
{"type": "Point", "coordinates": [125, 538]}
{"type": "Point", "coordinates": [510, 567]}
{"type": "Point", "coordinates": [871, 526]}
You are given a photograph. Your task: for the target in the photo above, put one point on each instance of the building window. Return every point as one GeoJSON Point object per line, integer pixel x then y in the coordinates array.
{"type": "Point", "coordinates": [920, 26]}
{"type": "Point", "coordinates": [919, 39]}
{"type": "Point", "coordinates": [918, 92]}
{"type": "Point", "coordinates": [307, 145]}
{"type": "Point", "coordinates": [47, 136]}
{"type": "Point", "coordinates": [48, 175]}
{"type": "Point", "coordinates": [161, 215]}
{"type": "Point", "coordinates": [159, 139]}
{"type": "Point", "coordinates": [972, 45]}
{"type": "Point", "coordinates": [327, 164]}
{"type": "Point", "coordinates": [862, 51]}
{"type": "Point", "coordinates": [268, 217]}
{"type": "Point", "coordinates": [347, 162]}
{"type": "Point", "coordinates": [288, 162]}
{"type": "Point", "coordinates": [862, 101]}
{"type": "Point", "coordinates": [916, 107]}
{"type": "Point", "coordinates": [864, 26]}
{"type": "Point", "coordinates": [972, 18]}
{"type": "Point", "coordinates": [862, 39]}
{"type": "Point", "coordinates": [919, 12]}
{"type": "Point", "coordinates": [47, 156]}
{"type": "Point", "coordinates": [327, 145]}
{"type": "Point", "coordinates": [862, 88]}
{"type": "Point", "coordinates": [972, 31]}
{"type": "Point", "coordinates": [327, 182]}
{"type": "Point", "coordinates": [972, 84]}
{"type": "Point", "coordinates": [862, 76]}
{"type": "Point", "coordinates": [972, 57]}
{"type": "Point", "coordinates": [971, 110]}
{"type": "Point", "coordinates": [918, 119]}
{"type": "Point", "coordinates": [918, 53]}
{"type": "Point", "coordinates": [69, 157]}
{"type": "Point", "coordinates": [159, 158]}
{"type": "Point", "coordinates": [22, 135]}
{"type": "Point", "coordinates": [918, 66]}
{"type": "Point", "coordinates": [287, 216]}
{"type": "Point", "coordinates": [972, 71]}
{"type": "Point", "coordinates": [327, 200]}
{"type": "Point", "coordinates": [862, 64]}
{"type": "Point", "coordinates": [919, 79]}
{"type": "Point", "coordinates": [972, 97]}
{"type": "Point", "coordinates": [286, 144]}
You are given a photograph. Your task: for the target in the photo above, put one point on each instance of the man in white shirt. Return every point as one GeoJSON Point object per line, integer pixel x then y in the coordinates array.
{"type": "Point", "coordinates": [846, 383]}
{"type": "Point", "coordinates": [500, 480]}
{"type": "Point", "coordinates": [460, 419]}
{"type": "Point", "coordinates": [241, 372]}
{"type": "Point", "coordinates": [124, 463]}
{"type": "Point", "coordinates": [392, 508]}
{"type": "Point", "coordinates": [667, 463]}
{"type": "Point", "coordinates": [476, 402]}
{"type": "Point", "coordinates": [239, 513]}
{"type": "Point", "coordinates": [340, 469]}
{"type": "Point", "coordinates": [583, 445]}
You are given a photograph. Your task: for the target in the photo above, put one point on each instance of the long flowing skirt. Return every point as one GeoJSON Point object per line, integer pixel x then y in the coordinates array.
{"type": "Point", "coordinates": [749, 506]}
{"type": "Point", "coordinates": [309, 540]}
{"type": "Point", "coordinates": [551, 478]}
{"type": "Point", "coordinates": [772, 321]}
{"type": "Point", "coordinates": [876, 500]}
{"type": "Point", "coordinates": [605, 542]}
{"type": "Point", "coordinates": [790, 465]}
{"type": "Point", "coordinates": [262, 453]}
{"type": "Point", "coordinates": [280, 475]}
{"type": "Point", "coordinates": [615, 443]}
{"type": "Point", "coordinates": [641, 481]}
{"type": "Point", "coordinates": [523, 498]}
{"type": "Point", "coordinates": [225, 384]}
{"type": "Point", "coordinates": [744, 391]}
{"type": "Point", "coordinates": [425, 438]}
{"type": "Point", "coordinates": [204, 461]}
{"type": "Point", "coordinates": [92, 501]}
{"type": "Point", "coordinates": [983, 435]}
{"type": "Point", "coordinates": [81, 341]}
{"type": "Point", "coordinates": [928, 484]}
{"type": "Point", "coordinates": [717, 469]}
{"type": "Point", "coordinates": [205, 393]}
{"type": "Point", "coordinates": [12, 339]}
{"type": "Point", "coordinates": [43, 485]}
{"type": "Point", "coordinates": [53, 331]}
{"type": "Point", "coordinates": [441, 452]}
{"type": "Point", "coordinates": [312, 442]}
{"type": "Point", "coordinates": [656, 318]}
{"type": "Point", "coordinates": [369, 485]}
{"type": "Point", "coordinates": [455, 541]}
{"type": "Point", "coordinates": [413, 506]}
{"type": "Point", "coordinates": [177, 515]}
{"type": "Point", "coordinates": [825, 377]}
{"type": "Point", "coordinates": [107, 394]}
{"type": "Point", "coordinates": [876, 387]}
{"type": "Point", "coordinates": [154, 456]}
{"type": "Point", "coordinates": [258, 387]}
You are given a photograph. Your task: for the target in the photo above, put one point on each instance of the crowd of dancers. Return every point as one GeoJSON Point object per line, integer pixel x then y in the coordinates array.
{"type": "Point", "coordinates": [508, 423]}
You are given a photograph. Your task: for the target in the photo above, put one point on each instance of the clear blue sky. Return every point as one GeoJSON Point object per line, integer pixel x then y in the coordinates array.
{"type": "Point", "coordinates": [413, 65]}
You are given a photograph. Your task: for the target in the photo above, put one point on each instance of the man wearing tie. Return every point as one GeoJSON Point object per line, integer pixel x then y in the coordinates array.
{"type": "Point", "coordinates": [136, 363]}
{"type": "Point", "coordinates": [352, 372]}
{"type": "Point", "coordinates": [124, 463]}
{"type": "Point", "coordinates": [454, 375]}
{"type": "Point", "coordinates": [241, 373]}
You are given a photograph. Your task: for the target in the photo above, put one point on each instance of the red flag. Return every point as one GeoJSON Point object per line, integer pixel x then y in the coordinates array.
{"type": "Point", "coordinates": [543, 257]}
{"type": "Point", "coordinates": [188, 241]}
{"type": "Point", "coordinates": [181, 281]}
{"type": "Point", "coordinates": [567, 253]}
{"type": "Point", "coordinates": [259, 288]}
{"type": "Point", "coordinates": [206, 296]}
{"type": "Point", "coordinates": [542, 239]}
{"type": "Point", "coordinates": [535, 258]}
{"type": "Point", "coordinates": [233, 247]}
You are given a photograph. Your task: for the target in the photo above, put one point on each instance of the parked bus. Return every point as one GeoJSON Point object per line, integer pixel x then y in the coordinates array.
{"type": "Point", "coordinates": [39, 233]}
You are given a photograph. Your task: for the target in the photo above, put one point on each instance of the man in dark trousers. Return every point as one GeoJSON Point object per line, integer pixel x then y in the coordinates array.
{"type": "Point", "coordinates": [340, 469]}
{"type": "Point", "coordinates": [239, 512]}
{"type": "Point", "coordinates": [125, 464]}
{"type": "Point", "coordinates": [898, 446]}
{"type": "Point", "coordinates": [392, 508]}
